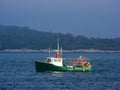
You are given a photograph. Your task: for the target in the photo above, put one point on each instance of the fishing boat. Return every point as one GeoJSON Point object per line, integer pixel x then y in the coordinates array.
{"type": "Point", "coordinates": [57, 63]}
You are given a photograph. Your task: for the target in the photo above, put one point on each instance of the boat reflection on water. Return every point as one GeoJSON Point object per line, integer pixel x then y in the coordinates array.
{"type": "Point", "coordinates": [57, 74]}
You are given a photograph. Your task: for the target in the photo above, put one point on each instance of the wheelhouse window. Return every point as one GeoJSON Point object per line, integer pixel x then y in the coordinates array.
{"type": "Point", "coordinates": [57, 60]}
{"type": "Point", "coordinates": [49, 60]}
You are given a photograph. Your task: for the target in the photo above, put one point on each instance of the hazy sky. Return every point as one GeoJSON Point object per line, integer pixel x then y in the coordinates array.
{"type": "Point", "coordinates": [91, 18]}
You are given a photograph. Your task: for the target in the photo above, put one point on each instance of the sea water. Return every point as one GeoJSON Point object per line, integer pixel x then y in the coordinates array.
{"type": "Point", "coordinates": [17, 72]}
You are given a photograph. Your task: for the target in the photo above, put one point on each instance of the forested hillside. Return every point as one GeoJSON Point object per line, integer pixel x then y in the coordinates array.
{"type": "Point", "coordinates": [13, 37]}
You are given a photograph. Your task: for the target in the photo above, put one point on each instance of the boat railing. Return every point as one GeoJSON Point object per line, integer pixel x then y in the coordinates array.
{"type": "Point", "coordinates": [74, 62]}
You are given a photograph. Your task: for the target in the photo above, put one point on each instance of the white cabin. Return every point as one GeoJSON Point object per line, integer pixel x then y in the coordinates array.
{"type": "Point", "coordinates": [55, 61]}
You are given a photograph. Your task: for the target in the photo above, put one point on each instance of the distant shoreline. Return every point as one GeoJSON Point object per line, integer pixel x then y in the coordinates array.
{"type": "Point", "coordinates": [46, 50]}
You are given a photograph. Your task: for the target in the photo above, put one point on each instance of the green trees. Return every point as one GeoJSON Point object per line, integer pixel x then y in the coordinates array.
{"type": "Point", "coordinates": [13, 37]}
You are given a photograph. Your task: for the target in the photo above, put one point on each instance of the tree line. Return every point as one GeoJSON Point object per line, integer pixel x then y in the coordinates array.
{"type": "Point", "coordinates": [14, 37]}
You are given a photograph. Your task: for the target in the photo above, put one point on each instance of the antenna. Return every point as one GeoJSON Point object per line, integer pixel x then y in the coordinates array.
{"type": "Point", "coordinates": [61, 51]}
{"type": "Point", "coordinates": [49, 50]}
{"type": "Point", "coordinates": [57, 44]}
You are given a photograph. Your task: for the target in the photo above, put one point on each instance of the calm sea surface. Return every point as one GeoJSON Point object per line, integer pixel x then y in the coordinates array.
{"type": "Point", "coordinates": [17, 72]}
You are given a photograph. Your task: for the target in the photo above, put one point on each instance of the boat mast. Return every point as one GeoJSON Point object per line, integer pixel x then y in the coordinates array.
{"type": "Point", "coordinates": [61, 51]}
{"type": "Point", "coordinates": [58, 45]}
{"type": "Point", "coordinates": [49, 50]}
{"type": "Point", "coordinates": [58, 51]}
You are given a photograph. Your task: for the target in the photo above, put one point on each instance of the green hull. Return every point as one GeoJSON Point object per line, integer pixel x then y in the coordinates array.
{"type": "Point", "coordinates": [41, 67]}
